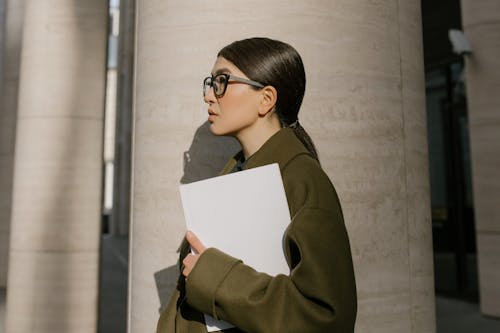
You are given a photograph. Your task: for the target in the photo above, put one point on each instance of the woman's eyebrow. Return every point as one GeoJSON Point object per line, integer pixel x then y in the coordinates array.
{"type": "Point", "coordinates": [222, 70]}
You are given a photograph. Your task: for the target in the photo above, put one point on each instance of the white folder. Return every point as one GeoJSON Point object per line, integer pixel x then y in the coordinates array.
{"type": "Point", "coordinates": [244, 214]}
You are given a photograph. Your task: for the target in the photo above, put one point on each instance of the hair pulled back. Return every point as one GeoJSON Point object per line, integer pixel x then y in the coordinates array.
{"type": "Point", "coordinates": [274, 63]}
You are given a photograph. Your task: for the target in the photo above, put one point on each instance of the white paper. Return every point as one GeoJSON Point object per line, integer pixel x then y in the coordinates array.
{"type": "Point", "coordinates": [244, 214]}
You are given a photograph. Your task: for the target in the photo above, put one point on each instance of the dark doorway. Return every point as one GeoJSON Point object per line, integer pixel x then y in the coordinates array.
{"type": "Point", "coordinates": [451, 190]}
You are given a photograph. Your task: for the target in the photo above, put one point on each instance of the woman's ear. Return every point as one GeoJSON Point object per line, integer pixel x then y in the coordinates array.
{"type": "Point", "coordinates": [268, 98]}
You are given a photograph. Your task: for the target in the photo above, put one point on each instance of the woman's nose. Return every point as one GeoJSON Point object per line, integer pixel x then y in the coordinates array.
{"type": "Point", "coordinates": [209, 96]}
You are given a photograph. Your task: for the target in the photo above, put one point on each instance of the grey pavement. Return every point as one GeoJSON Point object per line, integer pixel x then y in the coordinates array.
{"type": "Point", "coordinates": [113, 285]}
{"type": "Point", "coordinates": [452, 316]}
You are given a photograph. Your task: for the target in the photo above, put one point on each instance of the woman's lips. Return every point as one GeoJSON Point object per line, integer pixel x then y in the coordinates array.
{"type": "Point", "coordinates": [211, 115]}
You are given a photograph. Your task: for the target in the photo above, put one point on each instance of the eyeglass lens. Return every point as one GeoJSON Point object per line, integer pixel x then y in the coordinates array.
{"type": "Point", "coordinates": [218, 82]}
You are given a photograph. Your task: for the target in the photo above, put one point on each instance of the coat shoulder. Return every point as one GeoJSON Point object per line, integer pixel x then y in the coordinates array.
{"type": "Point", "coordinates": [307, 185]}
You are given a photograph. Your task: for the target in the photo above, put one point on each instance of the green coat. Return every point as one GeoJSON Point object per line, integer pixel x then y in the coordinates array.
{"type": "Point", "coordinates": [319, 294]}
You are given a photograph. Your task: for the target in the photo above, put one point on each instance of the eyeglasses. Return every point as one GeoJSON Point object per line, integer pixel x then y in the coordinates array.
{"type": "Point", "coordinates": [220, 82]}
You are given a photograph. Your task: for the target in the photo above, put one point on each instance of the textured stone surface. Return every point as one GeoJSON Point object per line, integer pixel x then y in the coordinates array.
{"type": "Point", "coordinates": [364, 108]}
{"type": "Point", "coordinates": [2, 37]}
{"type": "Point", "coordinates": [49, 283]}
{"type": "Point", "coordinates": [488, 247]}
{"type": "Point", "coordinates": [482, 73]}
{"type": "Point", "coordinates": [56, 210]}
{"type": "Point", "coordinates": [482, 29]}
{"type": "Point", "coordinates": [421, 273]}
{"type": "Point", "coordinates": [479, 12]}
{"type": "Point", "coordinates": [14, 11]}
{"type": "Point", "coordinates": [57, 187]}
{"type": "Point", "coordinates": [485, 145]}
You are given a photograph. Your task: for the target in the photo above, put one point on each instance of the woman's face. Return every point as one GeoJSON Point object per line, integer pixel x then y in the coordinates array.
{"type": "Point", "coordinates": [235, 111]}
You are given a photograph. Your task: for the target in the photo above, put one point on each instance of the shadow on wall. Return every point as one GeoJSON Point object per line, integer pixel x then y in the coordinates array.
{"type": "Point", "coordinates": [207, 155]}
{"type": "Point", "coordinates": [205, 158]}
{"type": "Point", "coordinates": [163, 280]}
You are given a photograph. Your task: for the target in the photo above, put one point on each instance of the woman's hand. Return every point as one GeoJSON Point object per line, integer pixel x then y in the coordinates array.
{"type": "Point", "coordinates": [191, 259]}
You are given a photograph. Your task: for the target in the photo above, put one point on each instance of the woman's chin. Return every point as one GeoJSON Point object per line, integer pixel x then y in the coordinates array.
{"type": "Point", "coordinates": [215, 130]}
{"type": "Point", "coordinates": [223, 130]}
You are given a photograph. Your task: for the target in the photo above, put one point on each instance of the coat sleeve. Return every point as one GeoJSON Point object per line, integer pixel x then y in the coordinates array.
{"type": "Point", "coordinates": [317, 296]}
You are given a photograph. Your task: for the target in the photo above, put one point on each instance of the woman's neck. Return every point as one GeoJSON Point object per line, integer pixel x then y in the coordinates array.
{"type": "Point", "coordinates": [251, 139]}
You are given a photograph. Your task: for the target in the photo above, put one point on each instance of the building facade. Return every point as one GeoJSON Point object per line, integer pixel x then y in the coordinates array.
{"type": "Point", "coordinates": [364, 107]}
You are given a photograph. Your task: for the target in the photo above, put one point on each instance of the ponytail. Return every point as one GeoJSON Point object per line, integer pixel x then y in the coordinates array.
{"type": "Point", "coordinates": [306, 140]}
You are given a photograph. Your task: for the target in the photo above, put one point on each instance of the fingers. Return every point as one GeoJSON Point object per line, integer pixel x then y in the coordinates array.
{"type": "Point", "coordinates": [191, 259]}
{"type": "Point", "coordinates": [189, 262]}
{"type": "Point", "coordinates": [195, 243]}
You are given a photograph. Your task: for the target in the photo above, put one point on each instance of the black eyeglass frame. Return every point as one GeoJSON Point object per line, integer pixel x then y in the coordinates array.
{"type": "Point", "coordinates": [209, 80]}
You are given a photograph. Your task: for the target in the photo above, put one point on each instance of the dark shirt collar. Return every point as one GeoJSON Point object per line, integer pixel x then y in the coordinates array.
{"type": "Point", "coordinates": [240, 162]}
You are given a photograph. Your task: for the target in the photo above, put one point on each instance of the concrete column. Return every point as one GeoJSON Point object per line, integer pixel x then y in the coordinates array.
{"type": "Point", "coordinates": [364, 107]}
{"type": "Point", "coordinates": [120, 217]}
{"type": "Point", "coordinates": [2, 36]}
{"type": "Point", "coordinates": [56, 211]}
{"type": "Point", "coordinates": [481, 23]}
{"type": "Point", "coordinates": [14, 13]}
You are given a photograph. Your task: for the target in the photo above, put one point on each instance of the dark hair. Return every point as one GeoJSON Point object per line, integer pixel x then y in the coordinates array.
{"type": "Point", "coordinates": [276, 64]}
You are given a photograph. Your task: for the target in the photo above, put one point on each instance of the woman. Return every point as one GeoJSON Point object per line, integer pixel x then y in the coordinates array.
{"type": "Point", "coordinates": [254, 94]}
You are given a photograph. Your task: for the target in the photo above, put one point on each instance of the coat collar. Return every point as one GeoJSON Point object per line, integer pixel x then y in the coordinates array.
{"type": "Point", "coordinates": [281, 148]}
